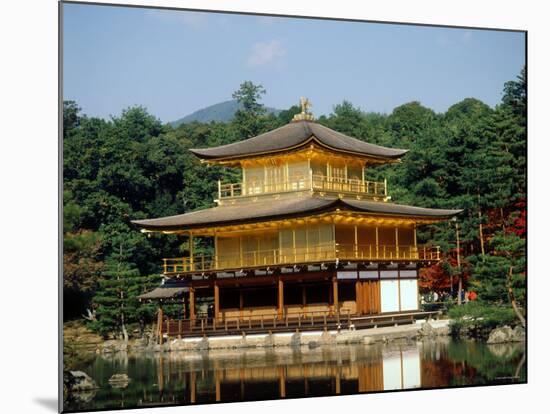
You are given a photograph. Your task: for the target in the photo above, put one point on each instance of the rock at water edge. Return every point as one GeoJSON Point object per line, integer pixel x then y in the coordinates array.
{"type": "Point", "coordinates": [500, 335]}
{"type": "Point", "coordinates": [77, 381]}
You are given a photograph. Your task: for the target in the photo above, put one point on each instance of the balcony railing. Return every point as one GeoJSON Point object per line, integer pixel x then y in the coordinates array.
{"type": "Point", "coordinates": [300, 255]}
{"type": "Point", "coordinates": [314, 183]}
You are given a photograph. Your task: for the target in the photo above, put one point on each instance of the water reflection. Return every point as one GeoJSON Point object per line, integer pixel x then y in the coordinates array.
{"type": "Point", "coordinates": [258, 374]}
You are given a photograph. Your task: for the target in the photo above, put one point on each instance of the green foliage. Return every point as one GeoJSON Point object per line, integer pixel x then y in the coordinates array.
{"type": "Point", "coordinates": [250, 120]}
{"type": "Point", "coordinates": [116, 300]}
{"type": "Point", "coordinates": [132, 166]}
{"type": "Point", "coordinates": [249, 96]}
{"type": "Point", "coordinates": [479, 317]}
{"type": "Point", "coordinates": [491, 271]}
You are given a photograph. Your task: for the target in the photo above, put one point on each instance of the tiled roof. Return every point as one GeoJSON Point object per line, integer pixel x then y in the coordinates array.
{"type": "Point", "coordinates": [294, 135]}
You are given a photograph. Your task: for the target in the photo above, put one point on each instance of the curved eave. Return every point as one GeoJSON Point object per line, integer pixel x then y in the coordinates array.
{"type": "Point", "coordinates": [200, 153]}
{"type": "Point", "coordinates": [158, 224]}
{"type": "Point", "coordinates": [295, 135]}
{"type": "Point", "coordinates": [236, 215]}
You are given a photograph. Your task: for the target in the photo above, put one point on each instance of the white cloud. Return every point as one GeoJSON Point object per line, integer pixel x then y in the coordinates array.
{"type": "Point", "coordinates": [266, 53]}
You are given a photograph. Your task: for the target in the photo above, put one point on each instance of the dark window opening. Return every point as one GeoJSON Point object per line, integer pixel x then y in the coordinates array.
{"type": "Point", "coordinates": [229, 298]}
{"type": "Point", "coordinates": [292, 294]}
{"type": "Point", "coordinates": [317, 293]}
{"type": "Point", "coordinates": [346, 292]}
{"type": "Point", "coordinates": [260, 297]}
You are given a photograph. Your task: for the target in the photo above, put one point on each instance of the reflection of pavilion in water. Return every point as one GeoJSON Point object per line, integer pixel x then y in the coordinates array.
{"type": "Point", "coordinates": [256, 374]}
{"type": "Point", "coordinates": [260, 374]}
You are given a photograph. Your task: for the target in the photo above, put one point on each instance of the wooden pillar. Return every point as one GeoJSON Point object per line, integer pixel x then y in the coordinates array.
{"type": "Point", "coordinates": [397, 242]}
{"type": "Point", "coordinates": [337, 385]}
{"type": "Point", "coordinates": [191, 251]}
{"type": "Point", "coordinates": [192, 304]}
{"type": "Point", "coordinates": [356, 247]}
{"type": "Point", "coordinates": [216, 301]}
{"type": "Point", "coordinates": [286, 175]}
{"type": "Point", "coordinates": [415, 246]}
{"type": "Point", "coordinates": [310, 174]}
{"type": "Point", "coordinates": [377, 249]}
{"type": "Point", "coordinates": [160, 317]}
{"type": "Point", "coordinates": [241, 251]}
{"type": "Point", "coordinates": [335, 294]}
{"type": "Point", "coordinates": [216, 263]}
{"type": "Point", "coordinates": [358, 297]}
{"type": "Point", "coordinates": [367, 302]}
{"type": "Point", "coordinates": [266, 188]}
{"type": "Point", "coordinates": [280, 298]}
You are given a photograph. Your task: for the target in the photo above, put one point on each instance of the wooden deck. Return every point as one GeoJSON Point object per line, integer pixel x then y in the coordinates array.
{"type": "Point", "coordinates": [201, 327]}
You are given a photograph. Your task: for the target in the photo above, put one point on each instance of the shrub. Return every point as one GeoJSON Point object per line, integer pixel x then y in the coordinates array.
{"type": "Point", "coordinates": [477, 319]}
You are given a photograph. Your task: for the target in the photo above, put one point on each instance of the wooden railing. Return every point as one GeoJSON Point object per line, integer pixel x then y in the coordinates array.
{"type": "Point", "coordinates": [387, 251]}
{"type": "Point", "coordinates": [314, 183]}
{"type": "Point", "coordinates": [302, 321]}
{"type": "Point", "coordinates": [349, 185]}
{"type": "Point", "coordinates": [299, 255]}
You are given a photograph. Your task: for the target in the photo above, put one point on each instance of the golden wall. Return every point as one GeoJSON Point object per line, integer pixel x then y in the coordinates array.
{"type": "Point", "coordinates": [311, 243]}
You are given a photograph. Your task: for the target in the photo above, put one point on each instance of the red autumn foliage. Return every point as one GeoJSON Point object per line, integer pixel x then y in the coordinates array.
{"type": "Point", "coordinates": [436, 277]}
{"type": "Point", "coordinates": [519, 223]}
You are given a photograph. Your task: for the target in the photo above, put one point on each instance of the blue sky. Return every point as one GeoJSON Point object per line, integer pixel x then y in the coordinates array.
{"type": "Point", "coordinates": [175, 62]}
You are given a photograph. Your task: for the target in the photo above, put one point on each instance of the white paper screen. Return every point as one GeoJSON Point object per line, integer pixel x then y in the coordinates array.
{"type": "Point", "coordinates": [389, 296]}
{"type": "Point", "coordinates": [409, 294]}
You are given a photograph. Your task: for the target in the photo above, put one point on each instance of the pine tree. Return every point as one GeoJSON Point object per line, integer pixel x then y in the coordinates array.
{"type": "Point", "coordinates": [501, 277]}
{"type": "Point", "coordinates": [248, 119]}
{"type": "Point", "coordinates": [116, 300]}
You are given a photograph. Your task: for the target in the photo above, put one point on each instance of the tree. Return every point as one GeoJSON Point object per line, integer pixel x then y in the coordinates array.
{"type": "Point", "coordinates": [116, 304]}
{"type": "Point", "coordinates": [501, 275]}
{"type": "Point", "coordinates": [249, 119]}
{"type": "Point", "coordinates": [71, 117]}
{"type": "Point", "coordinates": [249, 95]}
{"type": "Point", "coordinates": [287, 115]}
{"type": "Point", "coordinates": [515, 95]}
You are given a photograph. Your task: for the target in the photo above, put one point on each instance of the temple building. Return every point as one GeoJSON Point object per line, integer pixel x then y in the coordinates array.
{"type": "Point", "coordinates": [304, 236]}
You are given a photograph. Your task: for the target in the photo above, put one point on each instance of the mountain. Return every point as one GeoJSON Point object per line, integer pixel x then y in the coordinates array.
{"type": "Point", "coordinates": [220, 112]}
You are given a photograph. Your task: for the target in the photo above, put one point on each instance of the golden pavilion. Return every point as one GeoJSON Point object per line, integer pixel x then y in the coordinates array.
{"type": "Point", "coordinates": [303, 240]}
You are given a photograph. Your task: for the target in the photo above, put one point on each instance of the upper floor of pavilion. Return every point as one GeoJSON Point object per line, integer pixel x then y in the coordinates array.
{"type": "Point", "coordinates": [302, 156]}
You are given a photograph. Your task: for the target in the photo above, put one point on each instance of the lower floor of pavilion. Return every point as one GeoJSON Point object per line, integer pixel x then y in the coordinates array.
{"type": "Point", "coordinates": [302, 298]}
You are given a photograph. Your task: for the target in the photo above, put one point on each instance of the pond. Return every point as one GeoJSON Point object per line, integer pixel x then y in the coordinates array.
{"type": "Point", "coordinates": [182, 378]}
